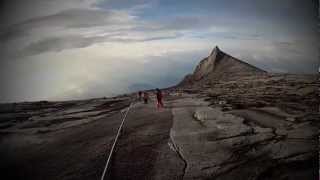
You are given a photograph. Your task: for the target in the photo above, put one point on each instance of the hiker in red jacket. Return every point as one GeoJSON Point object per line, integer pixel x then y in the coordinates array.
{"type": "Point", "coordinates": [159, 99]}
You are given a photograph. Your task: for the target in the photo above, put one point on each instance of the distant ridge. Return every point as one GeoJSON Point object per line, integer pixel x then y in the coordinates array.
{"type": "Point", "coordinates": [220, 65]}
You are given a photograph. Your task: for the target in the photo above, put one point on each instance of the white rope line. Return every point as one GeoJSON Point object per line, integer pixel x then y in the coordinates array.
{"type": "Point", "coordinates": [114, 144]}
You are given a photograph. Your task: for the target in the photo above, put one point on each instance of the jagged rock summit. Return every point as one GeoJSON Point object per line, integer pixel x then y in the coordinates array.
{"type": "Point", "coordinates": [220, 65]}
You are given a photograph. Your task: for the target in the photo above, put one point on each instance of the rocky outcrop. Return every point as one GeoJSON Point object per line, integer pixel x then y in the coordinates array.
{"type": "Point", "coordinates": [258, 125]}
{"type": "Point", "coordinates": [293, 93]}
{"type": "Point", "coordinates": [219, 65]}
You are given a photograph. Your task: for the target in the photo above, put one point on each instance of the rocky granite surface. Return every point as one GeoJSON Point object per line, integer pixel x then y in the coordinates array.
{"type": "Point", "coordinates": [258, 143]}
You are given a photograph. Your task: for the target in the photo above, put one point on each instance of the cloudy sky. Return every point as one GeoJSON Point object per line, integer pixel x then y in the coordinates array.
{"type": "Point", "coordinates": [74, 49]}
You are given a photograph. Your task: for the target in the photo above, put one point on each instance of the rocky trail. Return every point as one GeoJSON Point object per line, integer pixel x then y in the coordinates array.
{"type": "Point", "coordinates": [188, 139]}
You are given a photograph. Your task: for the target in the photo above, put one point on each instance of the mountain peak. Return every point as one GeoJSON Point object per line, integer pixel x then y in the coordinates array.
{"type": "Point", "coordinates": [220, 65]}
{"type": "Point", "coordinates": [215, 50]}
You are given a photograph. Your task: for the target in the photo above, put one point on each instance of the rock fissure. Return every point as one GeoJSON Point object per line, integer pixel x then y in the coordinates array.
{"type": "Point", "coordinates": [180, 155]}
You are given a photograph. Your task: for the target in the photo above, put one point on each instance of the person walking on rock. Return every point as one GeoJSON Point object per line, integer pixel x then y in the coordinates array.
{"type": "Point", "coordinates": [140, 95]}
{"type": "Point", "coordinates": [145, 97]}
{"type": "Point", "coordinates": [159, 99]}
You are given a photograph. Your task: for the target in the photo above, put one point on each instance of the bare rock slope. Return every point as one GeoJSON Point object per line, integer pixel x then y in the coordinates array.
{"type": "Point", "coordinates": [258, 125]}
{"type": "Point", "coordinates": [220, 65]}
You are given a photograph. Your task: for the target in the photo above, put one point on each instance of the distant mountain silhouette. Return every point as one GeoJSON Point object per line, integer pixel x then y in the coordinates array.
{"type": "Point", "coordinates": [218, 66]}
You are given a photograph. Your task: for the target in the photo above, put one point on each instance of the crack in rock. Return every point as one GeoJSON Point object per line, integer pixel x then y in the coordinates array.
{"type": "Point", "coordinates": [176, 149]}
